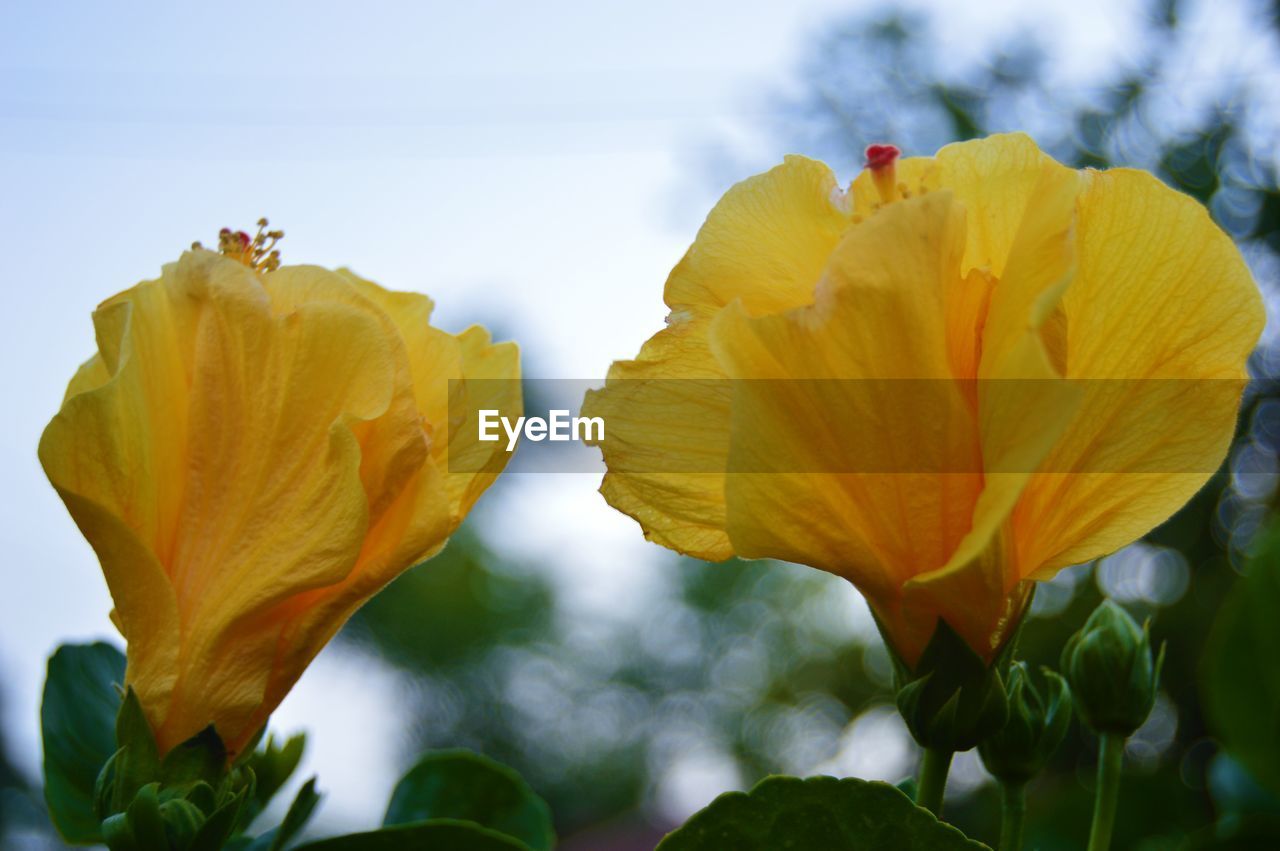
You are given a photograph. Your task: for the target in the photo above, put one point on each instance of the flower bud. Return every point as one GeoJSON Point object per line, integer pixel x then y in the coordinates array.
{"type": "Point", "coordinates": [1038, 722]}
{"type": "Point", "coordinates": [189, 799]}
{"type": "Point", "coordinates": [1109, 666]}
{"type": "Point", "coordinates": [952, 699]}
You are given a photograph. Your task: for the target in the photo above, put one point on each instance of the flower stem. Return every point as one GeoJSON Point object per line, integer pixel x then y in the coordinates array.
{"type": "Point", "coordinates": [1110, 758]}
{"type": "Point", "coordinates": [933, 779]}
{"type": "Point", "coordinates": [1013, 809]}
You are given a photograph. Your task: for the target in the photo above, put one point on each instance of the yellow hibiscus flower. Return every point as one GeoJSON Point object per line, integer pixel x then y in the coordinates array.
{"type": "Point", "coordinates": [960, 375]}
{"type": "Point", "coordinates": [254, 451]}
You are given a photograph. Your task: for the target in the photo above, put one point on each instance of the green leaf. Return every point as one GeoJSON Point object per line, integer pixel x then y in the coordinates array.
{"type": "Point", "coordinates": [78, 727]}
{"type": "Point", "coordinates": [439, 834]}
{"type": "Point", "coordinates": [459, 784]}
{"type": "Point", "coordinates": [819, 813]}
{"type": "Point", "coordinates": [1240, 678]}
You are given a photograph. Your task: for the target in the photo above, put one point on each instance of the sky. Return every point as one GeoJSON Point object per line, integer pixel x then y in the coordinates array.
{"type": "Point", "coordinates": [538, 167]}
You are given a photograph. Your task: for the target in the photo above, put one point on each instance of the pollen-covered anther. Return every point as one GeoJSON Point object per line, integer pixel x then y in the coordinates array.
{"type": "Point", "coordinates": [257, 252]}
{"type": "Point", "coordinates": [882, 161]}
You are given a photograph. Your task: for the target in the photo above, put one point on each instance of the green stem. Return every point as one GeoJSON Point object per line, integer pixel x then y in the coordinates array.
{"type": "Point", "coordinates": [933, 779]}
{"type": "Point", "coordinates": [1013, 810]}
{"type": "Point", "coordinates": [1110, 758]}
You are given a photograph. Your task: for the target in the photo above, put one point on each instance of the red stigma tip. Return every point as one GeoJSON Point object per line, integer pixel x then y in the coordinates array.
{"type": "Point", "coordinates": [243, 237]}
{"type": "Point", "coordinates": [879, 156]}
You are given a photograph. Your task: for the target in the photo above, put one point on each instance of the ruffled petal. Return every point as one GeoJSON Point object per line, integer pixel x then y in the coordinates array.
{"type": "Point", "coordinates": [116, 453]}
{"type": "Point", "coordinates": [276, 502]}
{"type": "Point", "coordinates": [995, 178]}
{"type": "Point", "coordinates": [490, 380]}
{"type": "Point", "coordinates": [1023, 407]}
{"type": "Point", "coordinates": [393, 445]}
{"type": "Point", "coordinates": [764, 245]}
{"type": "Point", "coordinates": [667, 440]}
{"type": "Point", "coordinates": [853, 450]}
{"type": "Point", "coordinates": [1159, 323]}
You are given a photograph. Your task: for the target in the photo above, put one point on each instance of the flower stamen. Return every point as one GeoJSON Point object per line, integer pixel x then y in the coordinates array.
{"type": "Point", "coordinates": [258, 252]}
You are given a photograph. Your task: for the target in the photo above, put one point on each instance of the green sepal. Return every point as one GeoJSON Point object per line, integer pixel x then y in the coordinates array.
{"type": "Point", "coordinates": [104, 789]}
{"type": "Point", "coordinates": [200, 804]}
{"type": "Point", "coordinates": [117, 835]}
{"type": "Point", "coordinates": [953, 699]}
{"type": "Point", "coordinates": [137, 763]}
{"type": "Point", "coordinates": [140, 827]}
{"type": "Point", "coordinates": [221, 824]}
{"type": "Point", "coordinates": [272, 766]}
{"type": "Point", "coordinates": [304, 804]}
{"type": "Point", "coordinates": [202, 796]}
{"type": "Point", "coordinates": [160, 819]}
{"type": "Point", "coordinates": [182, 820]}
{"type": "Point", "coordinates": [200, 759]}
{"type": "Point", "coordinates": [278, 838]}
{"type": "Point", "coordinates": [250, 749]}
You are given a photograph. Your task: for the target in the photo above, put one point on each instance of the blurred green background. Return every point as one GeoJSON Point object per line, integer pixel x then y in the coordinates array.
{"type": "Point", "coordinates": [749, 669]}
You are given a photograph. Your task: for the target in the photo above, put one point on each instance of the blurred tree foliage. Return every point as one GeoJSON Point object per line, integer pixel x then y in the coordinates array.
{"type": "Point", "coordinates": [746, 669]}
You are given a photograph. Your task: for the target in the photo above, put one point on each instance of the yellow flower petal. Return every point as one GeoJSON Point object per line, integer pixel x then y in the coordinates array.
{"type": "Point", "coordinates": [1078, 342]}
{"type": "Point", "coordinates": [764, 245]}
{"type": "Point", "coordinates": [124, 487]}
{"type": "Point", "coordinates": [765, 242]}
{"type": "Point", "coordinates": [275, 501]}
{"type": "Point", "coordinates": [1023, 408]}
{"type": "Point", "coordinates": [1163, 302]}
{"type": "Point", "coordinates": [392, 445]}
{"type": "Point", "coordinates": [667, 440]}
{"type": "Point", "coordinates": [995, 179]}
{"type": "Point", "coordinates": [862, 382]}
{"type": "Point", "coordinates": [252, 457]}
{"type": "Point", "coordinates": [434, 356]}
{"type": "Point", "coordinates": [490, 380]}
{"type": "Point", "coordinates": [435, 500]}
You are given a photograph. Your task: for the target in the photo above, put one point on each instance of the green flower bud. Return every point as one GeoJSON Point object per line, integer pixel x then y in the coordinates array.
{"type": "Point", "coordinates": [1038, 722]}
{"type": "Point", "coordinates": [188, 799]}
{"type": "Point", "coordinates": [1111, 671]}
{"type": "Point", "coordinates": [953, 699]}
